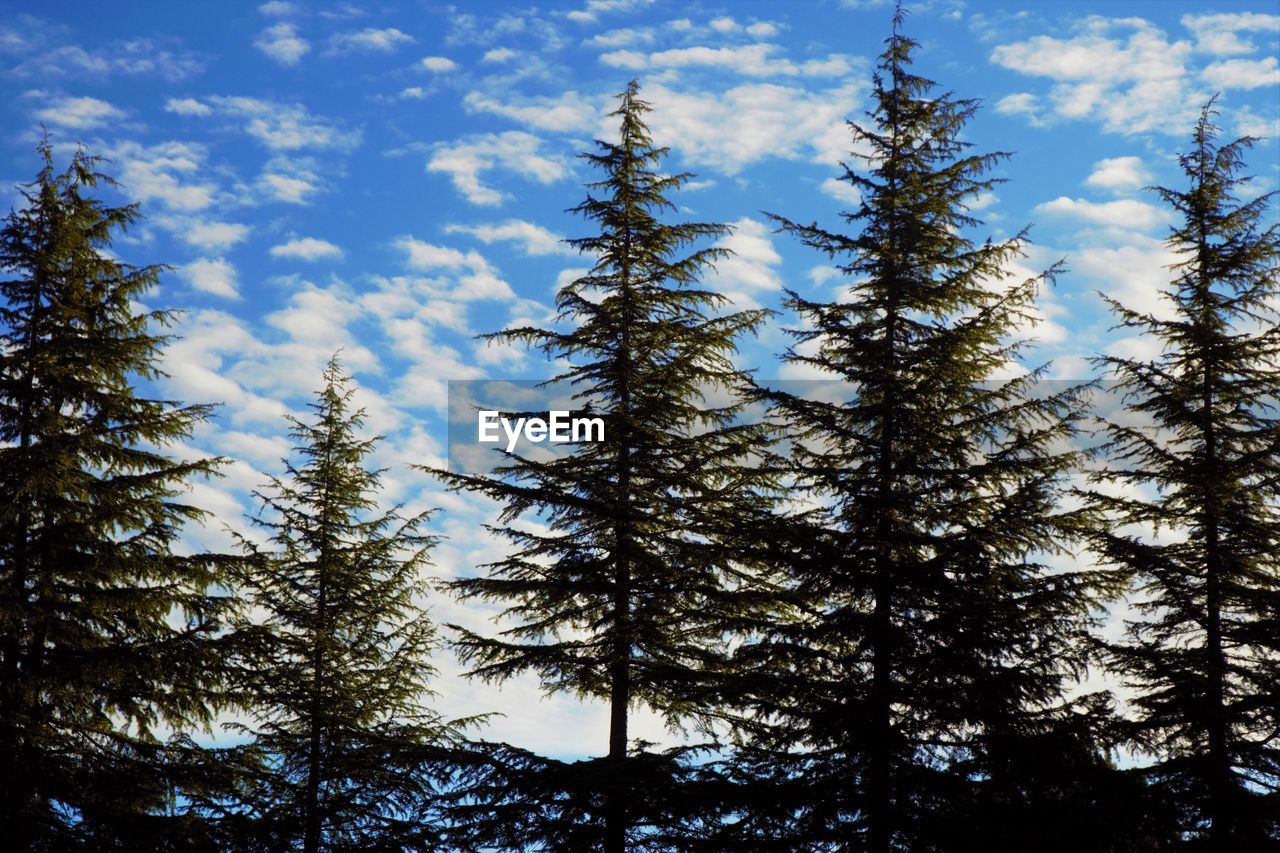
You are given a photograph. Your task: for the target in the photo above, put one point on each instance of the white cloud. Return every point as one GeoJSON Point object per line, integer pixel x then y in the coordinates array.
{"type": "Point", "coordinates": [1250, 123]}
{"type": "Point", "coordinates": [515, 151]}
{"type": "Point", "coordinates": [1124, 72]}
{"type": "Point", "coordinates": [724, 24]}
{"type": "Point", "coordinates": [567, 113]}
{"type": "Point", "coordinates": [732, 129]}
{"type": "Point", "coordinates": [841, 191]}
{"type": "Point", "coordinates": [596, 7]}
{"type": "Point", "coordinates": [1118, 174]}
{"type": "Point", "coordinates": [476, 278]}
{"type": "Point", "coordinates": [1023, 104]}
{"type": "Point", "coordinates": [82, 113]}
{"type": "Point", "coordinates": [46, 53]}
{"type": "Point", "coordinates": [1136, 273]}
{"type": "Point", "coordinates": [1243, 73]}
{"type": "Point", "coordinates": [285, 127]}
{"type": "Point", "coordinates": [160, 173]}
{"type": "Point", "coordinates": [752, 268]}
{"type": "Point", "coordinates": [307, 249]}
{"type": "Point", "coordinates": [412, 93]}
{"type": "Point", "coordinates": [282, 43]}
{"type": "Point", "coordinates": [370, 40]}
{"type": "Point", "coordinates": [1121, 213]}
{"type": "Point", "coordinates": [499, 54]}
{"type": "Point", "coordinates": [212, 276]}
{"type": "Point", "coordinates": [288, 184]}
{"type": "Point", "coordinates": [1219, 34]}
{"type": "Point", "coordinates": [438, 64]}
{"type": "Point", "coordinates": [622, 37]}
{"type": "Point", "coordinates": [187, 107]}
{"type": "Point", "coordinates": [213, 235]}
{"type": "Point", "coordinates": [750, 60]}
{"type": "Point", "coordinates": [533, 239]}
{"type": "Point", "coordinates": [762, 30]}
{"type": "Point", "coordinates": [278, 8]}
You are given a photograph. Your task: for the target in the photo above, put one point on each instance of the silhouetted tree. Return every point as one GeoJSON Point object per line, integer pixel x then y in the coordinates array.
{"type": "Point", "coordinates": [108, 635]}
{"type": "Point", "coordinates": [937, 642]}
{"type": "Point", "coordinates": [1197, 455]}
{"type": "Point", "coordinates": [631, 590]}
{"type": "Point", "coordinates": [338, 660]}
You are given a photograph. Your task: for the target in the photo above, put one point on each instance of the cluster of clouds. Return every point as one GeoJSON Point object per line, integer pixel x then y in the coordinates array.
{"type": "Point", "coordinates": [1130, 76]}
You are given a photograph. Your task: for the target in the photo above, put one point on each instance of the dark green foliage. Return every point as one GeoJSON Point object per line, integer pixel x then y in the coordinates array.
{"type": "Point", "coordinates": [934, 644]}
{"type": "Point", "coordinates": [337, 654]}
{"type": "Point", "coordinates": [642, 568]}
{"type": "Point", "coordinates": [109, 637]}
{"type": "Point", "coordinates": [1198, 458]}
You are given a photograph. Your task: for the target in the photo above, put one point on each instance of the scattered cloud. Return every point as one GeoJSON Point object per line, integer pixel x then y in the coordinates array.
{"type": "Point", "coordinates": [278, 9]}
{"type": "Point", "coordinates": [532, 239]}
{"type": "Point", "coordinates": [594, 8]}
{"type": "Point", "coordinates": [1121, 213]}
{"type": "Point", "coordinates": [1243, 73]}
{"type": "Point", "coordinates": [187, 107]}
{"type": "Point", "coordinates": [624, 37]}
{"type": "Point", "coordinates": [45, 51]}
{"type": "Point", "coordinates": [1123, 71]}
{"type": "Point", "coordinates": [750, 60]}
{"type": "Point", "coordinates": [476, 278]}
{"type": "Point", "coordinates": [83, 113]}
{"type": "Point", "coordinates": [752, 268]}
{"type": "Point", "coordinates": [1136, 273]}
{"type": "Point", "coordinates": [841, 191]}
{"type": "Point", "coordinates": [729, 130]}
{"type": "Point", "coordinates": [369, 40]}
{"type": "Point", "coordinates": [1220, 34]}
{"type": "Point", "coordinates": [498, 54]}
{"type": "Point", "coordinates": [467, 160]}
{"type": "Point", "coordinates": [307, 249]}
{"type": "Point", "coordinates": [284, 126]}
{"type": "Point", "coordinates": [212, 276]}
{"type": "Point", "coordinates": [213, 235]}
{"type": "Point", "coordinates": [566, 113]}
{"type": "Point", "coordinates": [1119, 174]}
{"type": "Point", "coordinates": [288, 181]}
{"type": "Point", "coordinates": [438, 64]}
{"type": "Point", "coordinates": [282, 43]}
{"type": "Point", "coordinates": [169, 173]}
{"type": "Point", "coordinates": [1022, 104]}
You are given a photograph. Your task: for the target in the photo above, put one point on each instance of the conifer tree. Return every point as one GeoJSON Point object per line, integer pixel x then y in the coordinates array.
{"type": "Point", "coordinates": [936, 644]}
{"type": "Point", "coordinates": [1198, 456]}
{"type": "Point", "coordinates": [338, 659]}
{"type": "Point", "coordinates": [108, 635]}
{"type": "Point", "coordinates": [642, 570]}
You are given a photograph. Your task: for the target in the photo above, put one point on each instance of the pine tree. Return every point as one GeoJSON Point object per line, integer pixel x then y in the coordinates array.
{"type": "Point", "coordinates": [1198, 455]}
{"type": "Point", "coordinates": [935, 644]}
{"type": "Point", "coordinates": [630, 593]}
{"type": "Point", "coordinates": [338, 659]}
{"type": "Point", "coordinates": [109, 636]}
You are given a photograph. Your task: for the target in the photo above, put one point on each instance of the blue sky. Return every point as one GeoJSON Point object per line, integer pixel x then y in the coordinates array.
{"type": "Point", "coordinates": [391, 179]}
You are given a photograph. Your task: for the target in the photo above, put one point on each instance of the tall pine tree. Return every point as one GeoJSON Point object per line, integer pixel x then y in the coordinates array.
{"type": "Point", "coordinates": [108, 634]}
{"type": "Point", "coordinates": [936, 644]}
{"type": "Point", "coordinates": [338, 663]}
{"type": "Point", "coordinates": [1198, 456]}
{"type": "Point", "coordinates": [642, 570]}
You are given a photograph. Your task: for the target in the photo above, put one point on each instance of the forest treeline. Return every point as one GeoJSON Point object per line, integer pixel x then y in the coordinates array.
{"type": "Point", "coordinates": [870, 618]}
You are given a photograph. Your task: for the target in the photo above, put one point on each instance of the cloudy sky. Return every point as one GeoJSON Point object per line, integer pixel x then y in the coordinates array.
{"type": "Point", "coordinates": [392, 179]}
